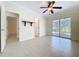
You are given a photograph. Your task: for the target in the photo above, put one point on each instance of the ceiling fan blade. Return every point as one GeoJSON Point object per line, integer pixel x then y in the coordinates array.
{"type": "Point", "coordinates": [44, 11]}
{"type": "Point", "coordinates": [49, 3]}
{"type": "Point", "coordinates": [52, 11]}
{"type": "Point", "coordinates": [53, 2]}
{"type": "Point", "coordinates": [43, 7]}
{"type": "Point", "coordinates": [57, 7]}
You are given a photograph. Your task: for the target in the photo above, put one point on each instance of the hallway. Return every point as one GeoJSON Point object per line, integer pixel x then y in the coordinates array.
{"type": "Point", "coordinates": [47, 46]}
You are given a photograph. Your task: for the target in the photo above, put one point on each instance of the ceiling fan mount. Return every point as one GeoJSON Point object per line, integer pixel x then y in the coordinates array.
{"type": "Point", "coordinates": [50, 7]}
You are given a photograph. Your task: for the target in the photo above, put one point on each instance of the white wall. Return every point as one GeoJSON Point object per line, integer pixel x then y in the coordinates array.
{"type": "Point", "coordinates": [42, 27]}
{"type": "Point", "coordinates": [25, 33]}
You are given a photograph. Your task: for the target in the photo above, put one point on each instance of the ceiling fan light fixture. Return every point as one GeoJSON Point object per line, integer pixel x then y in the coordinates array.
{"type": "Point", "coordinates": [50, 8]}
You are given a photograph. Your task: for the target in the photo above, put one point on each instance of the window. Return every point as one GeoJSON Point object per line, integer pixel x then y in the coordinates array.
{"type": "Point", "coordinates": [62, 27]}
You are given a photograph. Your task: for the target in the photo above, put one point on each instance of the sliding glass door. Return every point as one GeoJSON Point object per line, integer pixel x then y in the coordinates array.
{"type": "Point", "coordinates": [62, 28]}
{"type": "Point", "coordinates": [55, 28]}
{"type": "Point", "coordinates": [65, 28]}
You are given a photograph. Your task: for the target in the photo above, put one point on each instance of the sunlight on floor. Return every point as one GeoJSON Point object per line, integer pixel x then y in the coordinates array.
{"type": "Point", "coordinates": [47, 46]}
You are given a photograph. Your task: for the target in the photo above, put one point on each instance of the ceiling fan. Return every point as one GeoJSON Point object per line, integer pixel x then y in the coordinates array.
{"type": "Point", "coordinates": [50, 7]}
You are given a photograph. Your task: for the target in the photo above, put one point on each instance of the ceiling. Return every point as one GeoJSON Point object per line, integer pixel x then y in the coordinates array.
{"type": "Point", "coordinates": [35, 5]}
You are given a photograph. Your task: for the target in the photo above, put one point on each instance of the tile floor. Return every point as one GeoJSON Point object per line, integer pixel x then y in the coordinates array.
{"type": "Point", "coordinates": [47, 46]}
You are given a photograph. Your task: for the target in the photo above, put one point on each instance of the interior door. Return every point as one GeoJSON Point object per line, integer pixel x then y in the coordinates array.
{"type": "Point", "coordinates": [3, 28]}
{"type": "Point", "coordinates": [0, 30]}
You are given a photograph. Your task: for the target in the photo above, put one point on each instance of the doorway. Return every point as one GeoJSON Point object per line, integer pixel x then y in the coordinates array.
{"type": "Point", "coordinates": [12, 28]}
{"type": "Point", "coordinates": [36, 27]}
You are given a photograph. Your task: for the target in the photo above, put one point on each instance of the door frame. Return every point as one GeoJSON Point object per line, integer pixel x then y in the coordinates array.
{"type": "Point", "coordinates": [38, 22]}
{"type": "Point", "coordinates": [0, 28]}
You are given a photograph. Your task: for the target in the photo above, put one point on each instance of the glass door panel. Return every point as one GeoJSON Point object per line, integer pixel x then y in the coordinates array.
{"type": "Point", "coordinates": [65, 27]}
{"type": "Point", "coordinates": [55, 28]}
